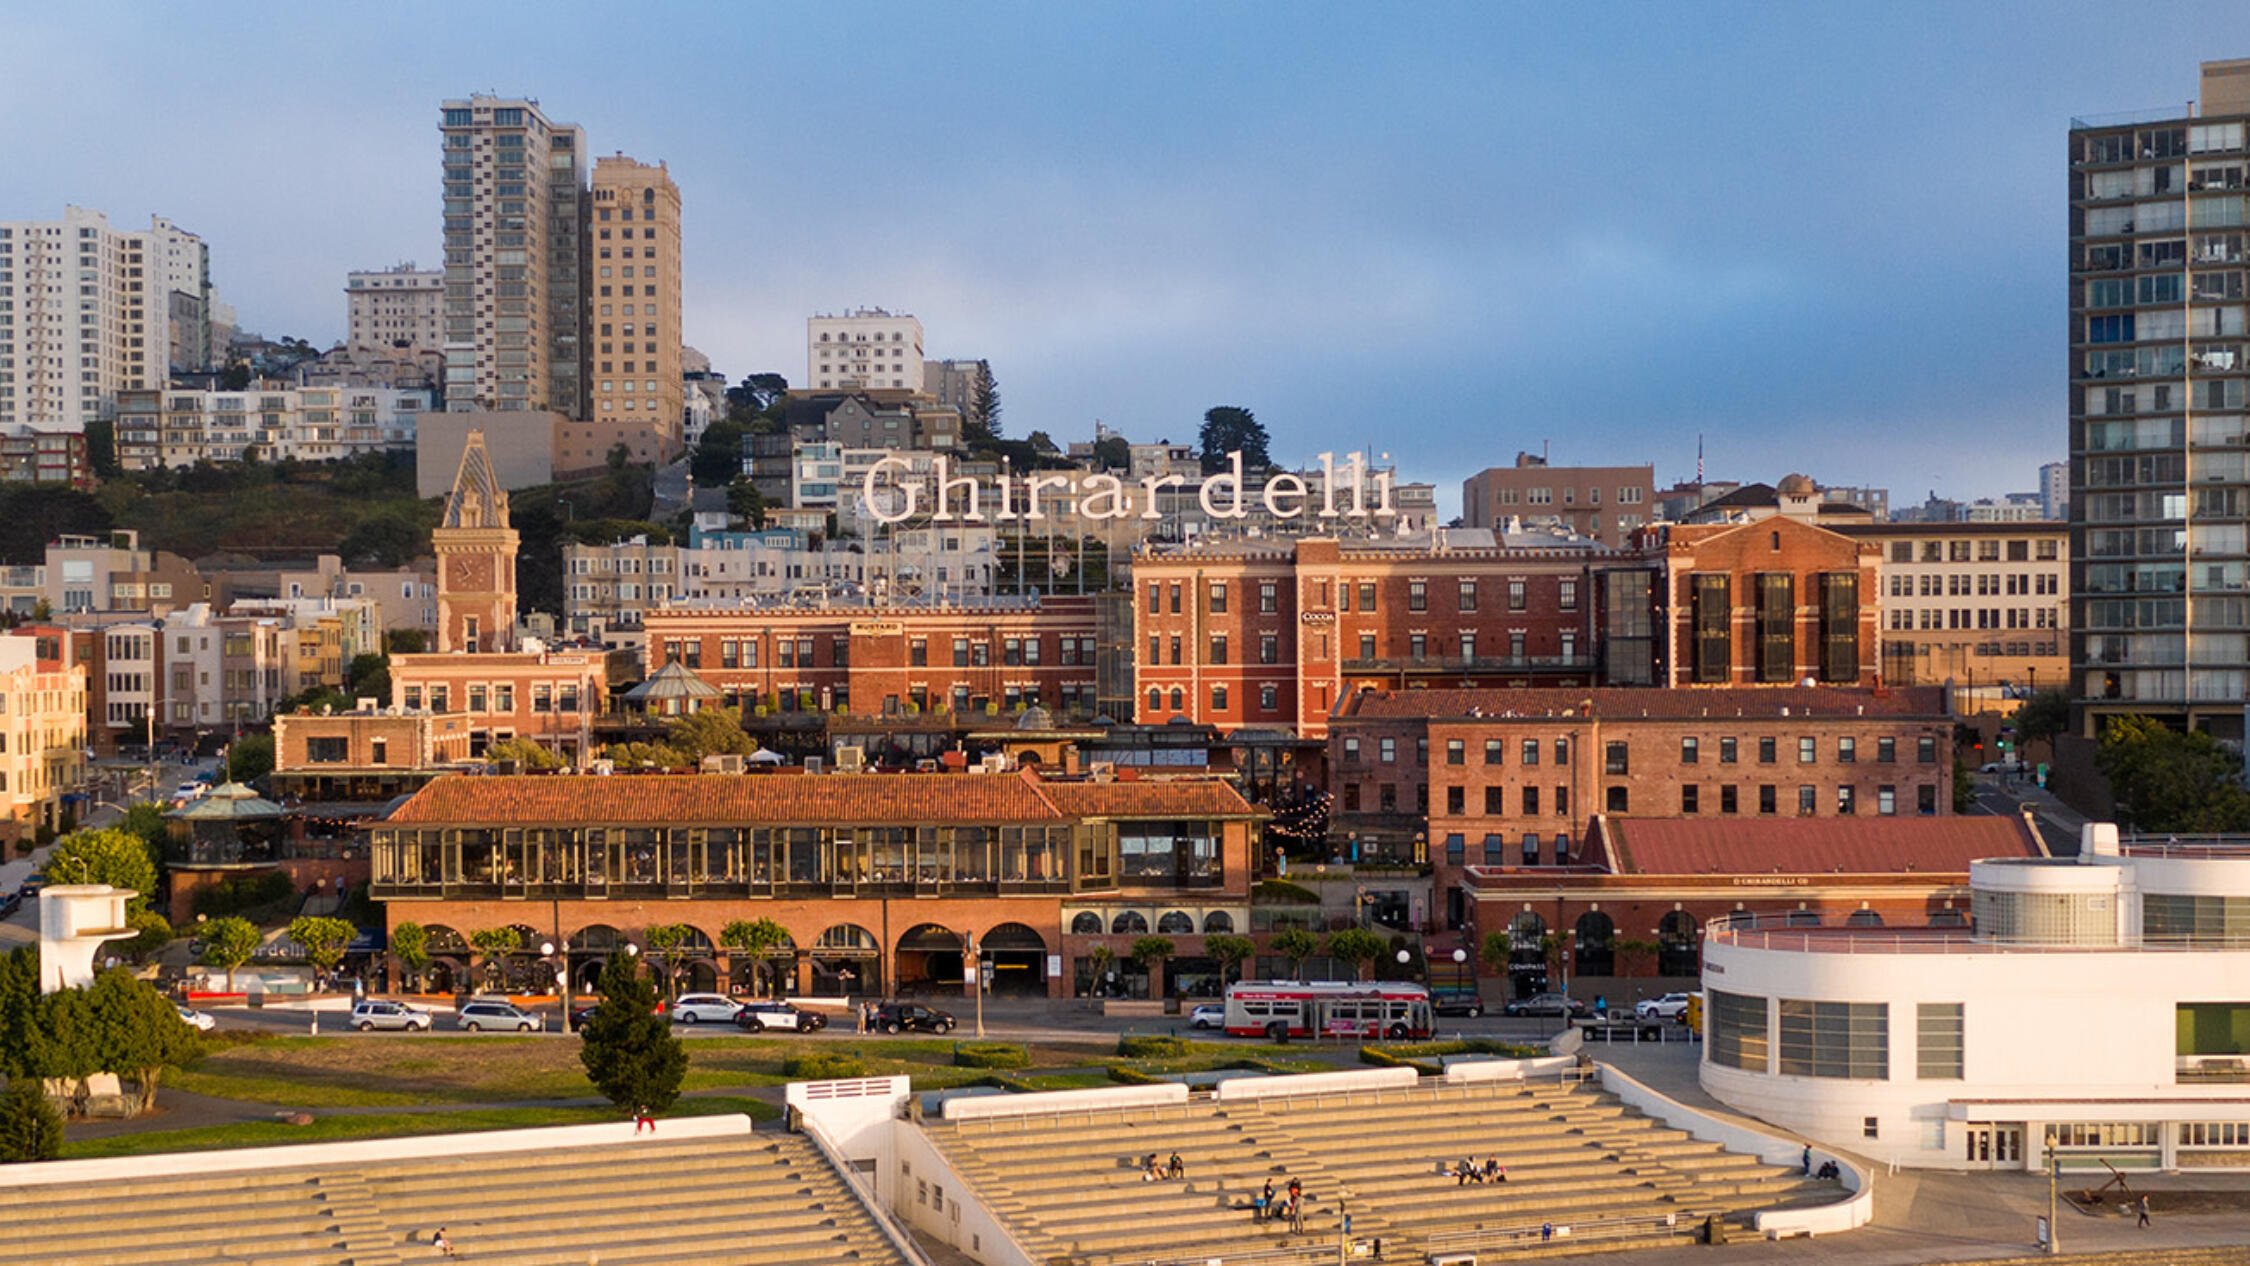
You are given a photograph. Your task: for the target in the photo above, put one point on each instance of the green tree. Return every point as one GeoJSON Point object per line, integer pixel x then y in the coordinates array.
{"type": "Point", "coordinates": [1356, 946]}
{"type": "Point", "coordinates": [152, 933]}
{"type": "Point", "coordinates": [104, 856]}
{"type": "Point", "coordinates": [388, 538]}
{"type": "Point", "coordinates": [2043, 716]}
{"type": "Point", "coordinates": [145, 821]}
{"type": "Point", "coordinates": [717, 459]}
{"type": "Point", "coordinates": [405, 642]}
{"type": "Point", "coordinates": [314, 699]}
{"type": "Point", "coordinates": [1636, 956]}
{"type": "Point", "coordinates": [1231, 951]}
{"type": "Point", "coordinates": [529, 756]}
{"type": "Point", "coordinates": [2165, 781]}
{"type": "Point", "coordinates": [1496, 951]}
{"type": "Point", "coordinates": [493, 945]}
{"type": "Point", "coordinates": [985, 407]}
{"type": "Point", "coordinates": [324, 939]}
{"type": "Point", "coordinates": [665, 941]}
{"type": "Point", "coordinates": [1113, 452]}
{"type": "Point", "coordinates": [1150, 952]}
{"type": "Point", "coordinates": [229, 943]}
{"type": "Point", "coordinates": [369, 676]}
{"type": "Point", "coordinates": [63, 1045]}
{"type": "Point", "coordinates": [101, 448]}
{"type": "Point", "coordinates": [630, 1052]}
{"type": "Point", "coordinates": [687, 740]}
{"type": "Point", "coordinates": [1230, 427]}
{"type": "Point", "coordinates": [138, 1033]}
{"type": "Point", "coordinates": [745, 502]}
{"type": "Point", "coordinates": [758, 392]}
{"type": "Point", "coordinates": [1296, 945]}
{"type": "Point", "coordinates": [19, 1006]}
{"type": "Point", "coordinates": [754, 939]}
{"type": "Point", "coordinates": [410, 945]}
{"type": "Point", "coordinates": [250, 757]}
{"type": "Point", "coordinates": [30, 1127]}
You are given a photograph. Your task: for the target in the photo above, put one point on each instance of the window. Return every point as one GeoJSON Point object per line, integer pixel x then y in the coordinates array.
{"type": "Point", "coordinates": [1530, 802]}
{"type": "Point", "coordinates": [327, 751]}
{"type": "Point", "coordinates": [1808, 750]}
{"type": "Point", "coordinates": [1766, 751]}
{"type": "Point", "coordinates": [1727, 751]}
{"type": "Point", "coordinates": [1690, 798]}
{"type": "Point", "coordinates": [1417, 595]}
{"type": "Point", "coordinates": [1456, 752]}
{"type": "Point", "coordinates": [1925, 750]}
{"type": "Point", "coordinates": [1218, 597]}
{"type": "Point", "coordinates": [1835, 1039]}
{"type": "Point", "coordinates": [1367, 596]}
{"type": "Point", "coordinates": [1925, 799]}
{"type": "Point", "coordinates": [1495, 751]}
{"type": "Point", "coordinates": [1269, 599]}
{"type": "Point", "coordinates": [1456, 799]}
{"type": "Point", "coordinates": [1689, 751]}
{"type": "Point", "coordinates": [1847, 801]}
{"type": "Point", "coordinates": [1886, 751]}
{"type": "Point", "coordinates": [1777, 626]}
{"type": "Point", "coordinates": [1218, 698]}
{"type": "Point", "coordinates": [1736, 1030]}
{"type": "Point", "coordinates": [1529, 753]}
{"type": "Point", "coordinates": [1617, 758]}
{"type": "Point", "coordinates": [1218, 648]}
{"type": "Point", "coordinates": [1886, 800]}
{"type": "Point", "coordinates": [1808, 800]}
{"type": "Point", "coordinates": [1729, 802]}
{"type": "Point", "coordinates": [1269, 697]}
{"type": "Point", "coordinates": [1711, 614]}
{"type": "Point", "coordinates": [1937, 1041]}
{"type": "Point", "coordinates": [1619, 800]}
{"type": "Point", "coordinates": [1847, 750]}
{"type": "Point", "coordinates": [1387, 750]}
{"type": "Point", "coordinates": [1468, 595]}
{"type": "Point", "coordinates": [1495, 801]}
{"type": "Point", "coordinates": [1518, 600]}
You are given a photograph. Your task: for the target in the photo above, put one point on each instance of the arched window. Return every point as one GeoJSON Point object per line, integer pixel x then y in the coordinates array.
{"type": "Point", "coordinates": [1175, 923]}
{"type": "Point", "coordinates": [1597, 948]}
{"type": "Point", "coordinates": [1128, 923]}
{"type": "Point", "coordinates": [1155, 699]}
{"type": "Point", "coordinates": [1218, 921]}
{"type": "Point", "coordinates": [1677, 950]}
{"type": "Point", "coordinates": [1179, 699]}
{"type": "Point", "coordinates": [1086, 923]}
{"type": "Point", "coordinates": [1864, 919]}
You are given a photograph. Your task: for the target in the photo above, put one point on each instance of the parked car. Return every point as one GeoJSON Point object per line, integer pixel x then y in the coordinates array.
{"type": "Point", "coordinates": [895, 1017]}
{"type": "Point", "coordinates": [2001, 767]}
{"type": "Point", "coordinates": [201, 1021]}
{"type": "Point", "coordinates": [1548, 1004]}
{"type": "Point", "coordinates": [190, 791]}
{"type": "Point", "coordinates": [1208, 1015]}
{"type": "Point", "coordinates": [699, 1008]}
{"type": "Point", "coordinates": [30, 887]}
{"type": "Point", "coordinates": [479, 1014]}
{"type": "Point", "coordinates": [1457, 1002]}
{"type": "Point", "coordinates": [379, 1013]}
{"type": "Point", "coordinates": [580, 1014]}
{"type": "Point", "coordinates": [756, 1017]}
{"type": "Point", "coordinates": [1669, 1007]}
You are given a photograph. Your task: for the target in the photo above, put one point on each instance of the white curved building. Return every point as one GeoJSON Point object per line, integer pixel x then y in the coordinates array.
{"type": "Point", "coordinates": [2100, 1004]}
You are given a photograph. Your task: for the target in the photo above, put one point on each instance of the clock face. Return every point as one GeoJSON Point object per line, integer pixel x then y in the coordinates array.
{"type": "Point", "coordinates": [471, 573]}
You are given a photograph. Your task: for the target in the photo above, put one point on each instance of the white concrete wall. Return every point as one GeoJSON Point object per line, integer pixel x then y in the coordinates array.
{"type": "Point", "coordinates": [965, 1223]}
{"type": "Point", "coordinates": [1476, 1070]}
{"type": "Point", "coordinates": [1317, 1083]}
{"type": "Point", "coordinates": [366, 1151]}
{"type": "Point", "coordinates": [1099, 1099]}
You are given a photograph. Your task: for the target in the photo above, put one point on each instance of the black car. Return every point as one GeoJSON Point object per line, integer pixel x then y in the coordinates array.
{"type": "Point", "coordinates": [1549, 1004]}
{"type": "Point", "coordinates": [896, 1017]}
{"type": "Point", "coordinates": [1466, 1002]}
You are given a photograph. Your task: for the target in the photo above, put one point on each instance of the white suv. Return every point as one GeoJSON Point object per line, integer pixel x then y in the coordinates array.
{"type": "Point", "coordinates": [489, 1013]}
{"type": "Point", "coordinates": [701, 1008]}
{"type": "Point", "coordinates": [1669, 1007]}
{"type": "Point", "coordinates": [377, 1013]}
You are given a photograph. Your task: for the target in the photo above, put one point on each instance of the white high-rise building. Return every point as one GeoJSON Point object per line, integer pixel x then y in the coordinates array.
{"type": "Point", "coordinates": [865, 348]}
{"type": "Point", "coordinates": [515, 210]}
{"type": "Point", "coordinates": [400, 308]}
{"type": "Point", "coordinates": [88, 310]}
{"type": "Point", "coordinates": [2054, 491]}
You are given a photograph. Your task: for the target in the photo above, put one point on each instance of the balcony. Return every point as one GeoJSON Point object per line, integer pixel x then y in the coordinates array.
{"type": "Point", "coordinates": [1454, 664]}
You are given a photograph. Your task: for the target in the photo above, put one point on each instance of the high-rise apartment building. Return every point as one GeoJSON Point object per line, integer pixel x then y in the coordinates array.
{"type": "Point", "coordinates": [2159, 441]}
{"type": "Point", "coordinates": [400, 308]}
{"type": "Point", "coordinates": [634, 244]}
{"type": "Point", "coordinates": [88, 310]}
{"type": "Point", "coordinates": [1606, 503]}
{"type": "Point", "coordinates": [514, 257]}
{"type": "Point", "coordinates": [862, 349]}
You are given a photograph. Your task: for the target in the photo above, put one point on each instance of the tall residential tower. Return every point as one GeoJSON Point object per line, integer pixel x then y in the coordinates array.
{"type": "Point", "coordinates": [2159, 442]}
{"type": "Point", "coordinates": [634, 323]}
{"type": "Point", "coordinates": [514, 257]}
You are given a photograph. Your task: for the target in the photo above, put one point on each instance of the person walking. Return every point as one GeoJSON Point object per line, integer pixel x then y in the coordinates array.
{"type": "Point", "coordinates": [1805, 1159]}
{"type": "Point", "coordinates": [642, 1117]}
{"type": "Point", "coordinates": [1265, 1201]}
{"type": "Point", "coordinates": [2142, 1209]}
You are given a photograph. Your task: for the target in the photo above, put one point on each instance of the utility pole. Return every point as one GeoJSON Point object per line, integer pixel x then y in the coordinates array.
{"type": "Point", "coordinates": [2054, 1169]}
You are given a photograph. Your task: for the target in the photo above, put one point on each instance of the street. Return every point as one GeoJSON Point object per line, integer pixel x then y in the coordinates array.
{"type": "Point", "coordinates": [2007, 794]}
{"type": "Point", "coordinates": [127, 784]}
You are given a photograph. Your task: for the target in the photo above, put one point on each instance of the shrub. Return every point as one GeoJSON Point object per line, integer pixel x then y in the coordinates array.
{"type": "Point", "coordinates": [990, 1055]}
{"type": "Point", "coordinates": [239, 894]}
{"type": "Point", "coordinates": [1124, 1075]}
{"type": "Point", "coordinates": [823, 1066]}
{"type": "Point", "coordinates": [1280, 892]}
{"type": "Point", "coordinates": [1151, 1046]}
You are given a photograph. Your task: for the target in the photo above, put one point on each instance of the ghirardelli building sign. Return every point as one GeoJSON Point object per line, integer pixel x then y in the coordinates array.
{"type": "Point", "coordinates": [1338, 491]}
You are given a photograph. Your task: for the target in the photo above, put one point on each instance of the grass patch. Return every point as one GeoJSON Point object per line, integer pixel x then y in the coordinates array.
{"type": "Point", "coordinates": [824, 1065]}
{"type": "Point", "coordinates": [1151, 1046]}
{"type": "Point", "coordinates": [337, 1129]}
{"type": "Point", "coordinates": [991, 1055]}
{"type": "Point", "coordinates": [1080, 1080]}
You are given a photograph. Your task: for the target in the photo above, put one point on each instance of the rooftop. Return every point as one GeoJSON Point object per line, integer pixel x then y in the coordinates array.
{"type": "Point", "coordinates": [1810, 846]}
{"type": "Point", "coordinates": [1617, 702]}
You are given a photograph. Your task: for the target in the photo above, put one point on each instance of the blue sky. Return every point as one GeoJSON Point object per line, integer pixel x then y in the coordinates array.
{"type": "Point", "coordinates": [1825, 237]}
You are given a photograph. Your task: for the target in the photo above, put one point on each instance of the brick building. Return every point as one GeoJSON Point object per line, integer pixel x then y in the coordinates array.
{"type": "Point", "coordinates": [1513, 777]}
{"type": "Point", "coordinates": [881, 880]}
{"type": "Point", "coordinates": [552, 698]}
{"type": "Point", "coordinates": [1272, 634]}
{"type": "Point", "coordinates": [1606, 503]}
{"type": "Point", "coordinates": [870, 658]}
{"type": "Point", "coordinates": [1628, 921]}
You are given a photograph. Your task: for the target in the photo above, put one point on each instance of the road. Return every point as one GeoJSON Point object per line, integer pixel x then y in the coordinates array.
{"type": "Point", "coordinates": [2058, 823]}
{"type": "Point", "coordinates": [22, 927]}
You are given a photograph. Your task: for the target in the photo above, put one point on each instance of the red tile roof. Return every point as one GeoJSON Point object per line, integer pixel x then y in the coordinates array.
{"type": "Point", "coordinates": [1627, 702]}
{"type": "Point", "coordinates": [1811, 846]}
{"type": "Point", "coordinates": [723, 800]}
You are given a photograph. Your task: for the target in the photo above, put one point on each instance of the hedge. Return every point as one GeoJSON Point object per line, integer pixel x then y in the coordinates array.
{"type": "Point", "coordinates": [1151, 1046]}
{"type": "Point", "coordinates": [823, 1066]}
{"type": "Point", "coordinates": [990, 1055]}
{"type": "Point", "coordinates": [1272, 892]}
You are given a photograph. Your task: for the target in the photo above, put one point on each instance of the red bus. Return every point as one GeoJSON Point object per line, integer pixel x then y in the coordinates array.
{"type": "Point", "coordinates": [1275, 1009]}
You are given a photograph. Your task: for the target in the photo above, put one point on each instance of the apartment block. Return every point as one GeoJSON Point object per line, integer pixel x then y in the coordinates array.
{"type": "Point", "coordinates": [863, 348]}
{"type": "Point", "coordinates": [549, 697]}
{"type": "Point", "coordinates": [515, 205]}
{"type": "Point", "coordinates": [1604, 502]}
{"type": "Point", "coordinates": [395, 309]}
{"type": "Point", "coordinates": [2159, 439]}
{"type": "Point", "coordinates": [635, 295]}
{"type": "Point", "coordinates": [42, 732]}
{"type": "Point", "coordinates": [958, 385]}
{"type": "Point", "coordinates": [87, 311]}
{"type": "Point", "coordinates": [173, 428]}
{"type": "Point", "coordinates": [1975, 604]}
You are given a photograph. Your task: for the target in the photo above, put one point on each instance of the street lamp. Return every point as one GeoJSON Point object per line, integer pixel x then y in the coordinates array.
{"type": "Point", "coordinates": [562, 973]}
{"type": "Point", "coordinates": [975, 974]}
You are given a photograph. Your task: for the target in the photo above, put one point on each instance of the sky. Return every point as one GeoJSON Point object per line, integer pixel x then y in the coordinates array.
{"type": "Point", "coordinates": [1816, 237]}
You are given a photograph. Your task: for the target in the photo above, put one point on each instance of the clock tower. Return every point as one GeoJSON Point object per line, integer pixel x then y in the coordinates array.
{"type": "Point", "coordinates": [476, 558]}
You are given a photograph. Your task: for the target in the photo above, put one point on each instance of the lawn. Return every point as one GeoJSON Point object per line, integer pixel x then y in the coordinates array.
{"type": "Point", "coordinates": [384, 1125]}
{"type": "Point", "coordinates": [360, 1072]}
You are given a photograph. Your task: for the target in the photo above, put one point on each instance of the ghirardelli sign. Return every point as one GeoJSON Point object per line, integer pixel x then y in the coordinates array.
{"type": "Point", "coordinates": [1338, 491]}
